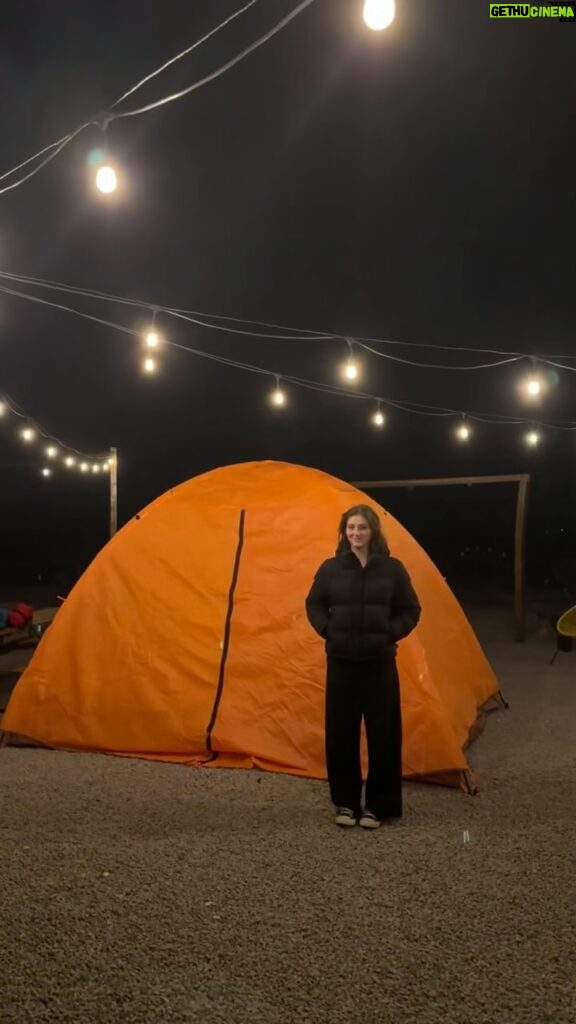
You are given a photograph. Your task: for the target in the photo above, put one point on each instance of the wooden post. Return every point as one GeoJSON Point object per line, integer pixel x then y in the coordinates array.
{"type": "Point", "coordinates": [519, 557]}
{"type": "Point", "coordinates": [113, 491]}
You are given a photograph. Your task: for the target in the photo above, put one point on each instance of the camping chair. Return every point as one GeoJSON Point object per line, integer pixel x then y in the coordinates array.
{"type": "Point", "coordinates": [565, 632]}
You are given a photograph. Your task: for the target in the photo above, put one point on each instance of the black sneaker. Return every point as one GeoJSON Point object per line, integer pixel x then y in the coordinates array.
{"type": "Point", "coordinates": [345, 817]}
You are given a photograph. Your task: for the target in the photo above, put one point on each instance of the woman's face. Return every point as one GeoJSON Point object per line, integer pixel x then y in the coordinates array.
{"type": "Point", "coordinates": [358, 533]}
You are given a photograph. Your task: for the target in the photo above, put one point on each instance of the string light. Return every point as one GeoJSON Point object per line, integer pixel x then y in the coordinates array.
{"type": "Point", "coordinates": [298, 334]}
{"type": "Point", "coordinates": [3, 408]}
{"type": "Point", "coordinates": [277, 397]}
{"type": "Point", "coordinates": [350, 369]}
{"type": "Point", "coordinates": [149, 365]}
{"type": "Point", "coordinates": [463, 432]}
{"type": "Point", "coordinates": [405, 406]}
{"type": "Point", "coordinates": [378, 419]}
{"type": "Point", "coordinates": [56, 451]}
{"type": "Point", "coordinates": [533, 386]}
{"type": "Point", "coordinates": [106, 179]}
{"type": "Point", "coordinates": [532, 438]}
{"type": "Point", "coordinates": [54, 148]}
{"type": "Point", "coordinates": [95, 467]}
{"type": "Point", "coordinates": [84, 467]}
{"type": "Point", "coordinates": [379, 14]}
{"type": "Point", "coordinates": [152, 339]}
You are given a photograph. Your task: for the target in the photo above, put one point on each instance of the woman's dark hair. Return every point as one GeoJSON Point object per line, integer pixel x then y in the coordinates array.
{"type": "Point", "coordinates": [378, 542]}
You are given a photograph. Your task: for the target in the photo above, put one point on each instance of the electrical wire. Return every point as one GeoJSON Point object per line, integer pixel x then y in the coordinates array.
{"type": "Point", "coordinates": [221, 70]}
{"type": "Point", "coordinates": [410, 407]}
{"type": "Point", "coordinates": [56, 148]}
{"type": "Point", "coordinates": [183, 53]}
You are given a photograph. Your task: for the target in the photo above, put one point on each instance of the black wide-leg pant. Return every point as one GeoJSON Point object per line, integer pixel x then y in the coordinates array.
{"type": "Point", "coordinates": [369, 691]}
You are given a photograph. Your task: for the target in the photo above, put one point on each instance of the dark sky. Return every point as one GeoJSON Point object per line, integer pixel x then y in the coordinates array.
{"type": "Point", "coordinates": [416, 184]}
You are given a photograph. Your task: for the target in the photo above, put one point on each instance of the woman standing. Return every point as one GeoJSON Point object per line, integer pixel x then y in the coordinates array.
{"type": "Point", "coordinates": [362, 603]}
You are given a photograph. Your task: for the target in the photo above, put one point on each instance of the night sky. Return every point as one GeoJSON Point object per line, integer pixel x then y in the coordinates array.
{"type": "Point", "coordinates": [416, 184]}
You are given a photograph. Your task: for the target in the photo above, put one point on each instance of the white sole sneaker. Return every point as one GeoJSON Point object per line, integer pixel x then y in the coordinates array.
{"type": "Point", "coordinates": [345, 820]}
{"type": "Point", "coordinates": [369, 822]}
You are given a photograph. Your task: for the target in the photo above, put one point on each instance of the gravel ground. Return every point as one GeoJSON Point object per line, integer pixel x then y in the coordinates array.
{"type": "Point", "coordinates": [142, 893]}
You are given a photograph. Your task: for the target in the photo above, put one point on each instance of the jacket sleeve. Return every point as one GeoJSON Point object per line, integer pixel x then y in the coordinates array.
{"type": "Point", "coordinates": [405, 609]}
{"type": "Point", "coordinates": [318, 601]}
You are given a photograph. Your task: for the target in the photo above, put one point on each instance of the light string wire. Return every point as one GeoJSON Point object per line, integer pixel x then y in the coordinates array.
{"type": "Point", "coordinates": [297, 333]}
{"type": "Point", "coordinates": [406, 406]}
{"type": "Point", "coordinates": [16, 409]}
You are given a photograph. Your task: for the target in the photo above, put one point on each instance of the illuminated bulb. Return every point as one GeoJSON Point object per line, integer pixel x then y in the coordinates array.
{"type": "Point", "coordinates": [51, 452]}
{"type": "Point", "coordinates": [379, 14]}
{"type": "Point", "coordinates": [378, 419]}
{"type": "Point", "coordinates": [2, 408]}
{"type": "Point", "coordinates": [534, 387]}
{"type": "Point", "coordinates": [532, 438]}
{"type": "Point", "coordinates": [95, 468]}
{"type": "Point", "coordinates": [351, 370]}
{"type": "Point", "coordinates": [46, 471]}
{"type": "Point", "coordinates": [28, 434]}
{"type": "Point", "coordinates": [84, 467]}
{"type": "Point", "coordinates": [463, 432]}
{"type": "Point", "coordinates": [105, 466]}
{"type": "Point", "coordinates": [152, 339]}
{"type": "Point", "coordinates": [278, 397]}
{"type": "Point", "coordinates": [106, 180]}
{"type": "Point", "coordinates": [70, 461]}
{"type": "Point", "coordinates": [149, 366]}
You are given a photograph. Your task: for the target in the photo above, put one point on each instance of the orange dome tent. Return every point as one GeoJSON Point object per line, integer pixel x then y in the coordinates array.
{"type": "Point", "coordinates": [186, 639]}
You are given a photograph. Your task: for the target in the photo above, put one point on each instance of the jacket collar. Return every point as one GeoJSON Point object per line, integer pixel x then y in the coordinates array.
{"type": "Point", "coordinates": [348, 558]}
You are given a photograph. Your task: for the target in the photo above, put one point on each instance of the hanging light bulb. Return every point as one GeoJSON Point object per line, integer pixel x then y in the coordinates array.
{"type": "Point", "coordinates": [51, 452]}
{"type": "Point", "coordinates": [533, 386]}
{"type": "Point", "coordinates": [70, 461]}
{"type": "Point", "coordinates": [152, 339]}
{"type": "Point", "coordinates": [350, 369]}
{"type": "Point", "coordinates": [2, 408]}
{"type": "Point", "coordinates": [46, 471]}
{"type": "Point", "coordinates": [278, 397]}
{"type": "Point", "coordinates": [106, 179]}
{"type": "Point", "coordinates": [379, 14]}
{"type": "Point", "coordinates": [463, 432]}
{"type": "Point", "coordinates": [105, 466]}
{"type": "Point", "coordinates": [84, 467]}
{"type": "Point", "coordinates": [28, 435]}
{"type": "Point", "coordinates": [95, 467]}
{"type": "Point", "coordinates": [532, 438]}
{"type": "Point", "coordinates": [149, 365]}
{"type": "Point", "coordinates": [378, 418]}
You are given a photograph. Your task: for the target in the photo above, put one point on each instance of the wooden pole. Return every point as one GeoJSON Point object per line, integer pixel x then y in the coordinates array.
{"type": "Point", "coordinates": [113, 491]}
{"type": "Point", "coordinates": [519, 558]}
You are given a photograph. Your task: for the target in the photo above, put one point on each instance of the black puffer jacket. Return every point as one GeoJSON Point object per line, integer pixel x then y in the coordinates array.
{"type": "Point", "coordinates": [362, 612]}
